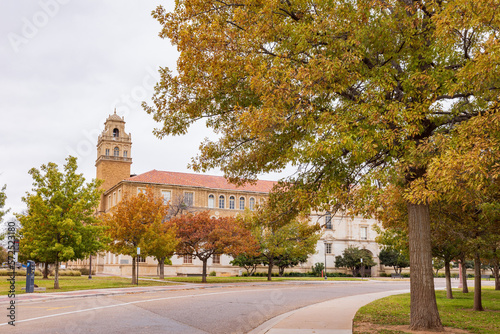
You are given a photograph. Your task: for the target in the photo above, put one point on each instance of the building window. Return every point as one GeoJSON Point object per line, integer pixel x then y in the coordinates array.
{"type": "Point", "coordinates": [242, 203]}
{"type": "Point", "coordinates": [187, 259]}
{"type": "Point", "coordinates": [141, 191]}
{"type": "Point", "coordinates": [189, 198]}
{"type": "Point", "coordinates": [216, 259]}
{"type": "Point", "coordinates": [211, 201]}
{"type": "Point", "coordinates": [116, 133]}
{"type": "Point", "coordinates": [231, 202]}
{"type": "Point", "coordinates": [109, 201]}
{"type": "Point", "coordinates": [116, 152]}
{"type": "Point", "coordinates": [125, 153]}
{"type": "Point", "coordinates": [252, 203]}
{"type": "Point", "coordinates": [166, 196]}
{"type": "Point", "coordinates": [364, 233]}
{"type": "Point", "coordinates": [114, 198]}
{"type": "Point", "coordinates": [141, 259]}
{"type": "Point", "coordinates": [119, 195]}
{"type": "Point", "coordinates": [328, 221]}
{"type": "Point", "coordinates": [107, 152]}
{"type": "Point", "coordinates": [328, 248]}
{"type": "Point", "coordinates": [221, 202]}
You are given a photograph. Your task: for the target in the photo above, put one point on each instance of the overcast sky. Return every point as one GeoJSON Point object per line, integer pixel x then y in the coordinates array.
{"type": "Point", "coordinates": [64, 66]}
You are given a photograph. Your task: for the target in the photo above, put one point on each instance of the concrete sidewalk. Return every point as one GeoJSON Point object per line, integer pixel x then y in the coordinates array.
{"type": "Point", "coordinates": [331, 317]}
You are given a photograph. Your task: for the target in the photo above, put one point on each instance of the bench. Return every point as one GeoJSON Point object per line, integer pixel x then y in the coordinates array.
{"type": "Point", "coordinates": [189, 275]}
{"type": "Point", "coordinates": [393, 275]}
{"type": "Point", "coordinates": [486, 276]}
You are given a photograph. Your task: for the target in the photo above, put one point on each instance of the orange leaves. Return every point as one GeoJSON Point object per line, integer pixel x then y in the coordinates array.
{"type": "Point", "coordinates": [202, 236]}
{"type": "Point", "coordinates": [131, 218]}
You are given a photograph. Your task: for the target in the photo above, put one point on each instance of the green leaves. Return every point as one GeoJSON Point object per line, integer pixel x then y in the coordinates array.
{"type": "Point", "coordinates": [60, 218]}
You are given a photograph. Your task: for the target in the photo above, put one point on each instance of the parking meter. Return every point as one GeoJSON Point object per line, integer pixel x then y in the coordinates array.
{"type": "Point", "coordinates": [30, 276]}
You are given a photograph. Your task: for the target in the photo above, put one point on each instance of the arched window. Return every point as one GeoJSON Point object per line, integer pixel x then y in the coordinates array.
{"type": "Point", "coordinates": [221, 202]}
{"type": "Point", "coordinates": [116, 133]}
{"type": "Point", "coordinates": [252, 203]}
{"type": "Point", "coordinates": [211, 201]}
{"type": "Point", "coordinates": [231, 202]}
{"type": "Point", "coordinates": [116, 152]}
{"type": "Point", "coordinates": [242, 203]}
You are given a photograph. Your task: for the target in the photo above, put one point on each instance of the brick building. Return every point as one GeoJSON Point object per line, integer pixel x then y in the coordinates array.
{"type": "Point", "coordinates": [202, 192]}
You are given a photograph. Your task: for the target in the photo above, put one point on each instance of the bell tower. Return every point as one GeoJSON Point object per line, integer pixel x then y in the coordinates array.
{"type": "Point", "coordinates": [113, 152]}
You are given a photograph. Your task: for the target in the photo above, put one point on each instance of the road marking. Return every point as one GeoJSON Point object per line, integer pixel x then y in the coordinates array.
{"type": "Point", "coordinates": [141, 301]}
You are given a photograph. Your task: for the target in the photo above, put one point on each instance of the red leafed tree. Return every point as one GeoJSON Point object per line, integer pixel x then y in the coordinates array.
{"type": "Point", "coordinates": [203, 236]}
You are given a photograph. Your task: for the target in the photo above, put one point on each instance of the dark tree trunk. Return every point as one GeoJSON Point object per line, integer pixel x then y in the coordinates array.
{"type": "Point", "coordinates": [496, 273]}
{"type": "Point", "coordinates": [478, 305]}
{"type": "Point", "coordinates": [270, 269]}
{"type": "Point", "coordinates": [447, 274]}
{"type": "Point", "coordinates": [424, 314]}
{"type": "Point", "coordinates": [282, 271]}
{"type": "Point", "coordinates": [161, 262]}
{"type": "Point", "coordinates": [56, 278]}
{"type": "Point", "coordinates": [465, 288]}
{"type": "Point", "coordinates": [46, 270]}
{"type": "Point", "coordinates": [204, 273]}
{"type": "Point", "coordinates": [134, 277]}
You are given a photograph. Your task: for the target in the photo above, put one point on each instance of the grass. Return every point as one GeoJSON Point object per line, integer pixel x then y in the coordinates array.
{"type": "Point", "coordinates": [455, 313]}
{"type": "Point", "coordinates": [73, 283]}
{"type": "Point", "coordinates": [213, 279]}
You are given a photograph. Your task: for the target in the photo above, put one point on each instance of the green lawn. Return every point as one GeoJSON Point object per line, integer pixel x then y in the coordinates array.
{"type": "Point", "coordinates": [72, 283]}
{"type": "Point", "coordinates": [213, 279]}
{"type": "Point", "coordinates": [456, 313]}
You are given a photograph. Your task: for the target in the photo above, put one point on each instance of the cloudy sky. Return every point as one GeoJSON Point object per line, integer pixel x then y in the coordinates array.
{"type": "Point", "coordinates": [64, 66]}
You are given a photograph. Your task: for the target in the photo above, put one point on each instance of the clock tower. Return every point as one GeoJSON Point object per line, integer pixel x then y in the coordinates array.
{"type": "Point", "coordinates": [113, 152]}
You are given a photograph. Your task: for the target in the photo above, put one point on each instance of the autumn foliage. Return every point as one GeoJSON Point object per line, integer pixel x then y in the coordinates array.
{"type": "Point", "coordinates": [139, 221]}
{"type": "Point", "coordinates": [203, 236]}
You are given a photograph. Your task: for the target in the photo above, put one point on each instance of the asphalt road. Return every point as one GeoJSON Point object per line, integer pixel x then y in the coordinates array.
{"type": "Point", "coordinates": [236, 308]}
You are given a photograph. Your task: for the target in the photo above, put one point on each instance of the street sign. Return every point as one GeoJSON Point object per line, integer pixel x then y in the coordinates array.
{"type": "Point", "coordinates": [138, 250]}
{"type": "Point", "coordinates": [16, 246]}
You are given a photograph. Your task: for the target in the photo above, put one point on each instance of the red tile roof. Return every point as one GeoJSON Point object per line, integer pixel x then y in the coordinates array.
{"type": "Point", "coordinates": [199, 180]}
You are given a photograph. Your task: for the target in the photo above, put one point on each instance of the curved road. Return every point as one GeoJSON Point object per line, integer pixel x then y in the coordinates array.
{"type": "Point", "coordinates": [233, 308]}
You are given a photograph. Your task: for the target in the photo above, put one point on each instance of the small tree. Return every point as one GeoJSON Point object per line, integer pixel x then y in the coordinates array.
{"type": "Point", "coordinates": [203, 236]}
{"type": "Point", "coordinates": [351, 259]}
{"type": "Point", "coordinates": [318, 268]}
{"type": "Point", "coordinates": [138, 221]}
{"type": "Point", "coordinates": [248, 261]}
{"type": "Point", "coordinates": [159, 240]}
{"type": "Point", "coordinates": [393, 258]}
{"type": "Point", "coordinates": [60, 224]}
{"type": "Point", "coordinates": [285, 260]}
{"type": "Point", "coordinates": [3, 198]}
{"type": "Point", "coordinates": [278, 236]}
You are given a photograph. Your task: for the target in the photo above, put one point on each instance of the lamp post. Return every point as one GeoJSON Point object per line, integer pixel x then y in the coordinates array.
{"type": "Point", "coordinates": [325, 260]}
{"type": "Point", "coordinates": [90, 266]}
{"type": "Point", "coordinates": [362, 269]}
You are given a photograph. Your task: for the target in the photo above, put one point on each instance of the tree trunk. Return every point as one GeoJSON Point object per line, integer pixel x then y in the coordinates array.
{"type": "Point", "coordinates": [270, 269]}
{"type": "Point", "coordinates": [478, 306]}
{"type": "Point", "coordinates": [496, 273]}
{"type": "Point", "coordinates": [204, 273]}
{"type": "Point", "coordinates": [46, 270]}
{"type": "Point", "coordinates": [161, 262]}
{"type": "Point", "coordinates": [134, 277]}
{"type": "Point", "coordinates": [424, 314]}
{"type": "Point", "coordinates": [56, 278]}
{"type": "Point", "coordinates": [281, 271]}
{"type": "Point", "coordinates": [447, 274]}
{"type": "Point", "coordinates": [465, 289]}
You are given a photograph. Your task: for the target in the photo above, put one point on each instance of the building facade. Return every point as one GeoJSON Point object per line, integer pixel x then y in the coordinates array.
{"type": "Point", "coordinates": [204, 192]}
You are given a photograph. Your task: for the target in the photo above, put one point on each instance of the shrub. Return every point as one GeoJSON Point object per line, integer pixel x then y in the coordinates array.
{"type": "Point", "coordinates": [212, 273]}
{"type": "Point", "coordinates": [85, 271]}
{"type": "Point", "coordinates": [318, 268]}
